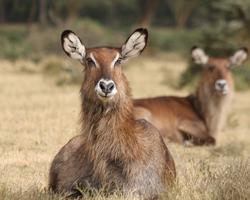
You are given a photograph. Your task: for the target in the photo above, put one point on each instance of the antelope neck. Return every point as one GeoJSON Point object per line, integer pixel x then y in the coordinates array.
{"type": "Point", "coordinates": [114, 119]}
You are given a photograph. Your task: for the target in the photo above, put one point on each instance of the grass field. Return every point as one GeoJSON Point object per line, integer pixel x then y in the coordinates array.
{"type": "Point", "coordinates": [37, 117]}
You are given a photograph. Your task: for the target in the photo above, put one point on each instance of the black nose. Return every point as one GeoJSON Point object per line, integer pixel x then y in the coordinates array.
{"type": "Point", "coordinates": [106, 87]}
{"type": "Point", "coordinates": [221, 85]}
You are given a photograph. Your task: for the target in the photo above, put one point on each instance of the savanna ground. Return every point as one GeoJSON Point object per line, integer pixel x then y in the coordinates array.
{"type": "Point", "coordinates": [37, 117]}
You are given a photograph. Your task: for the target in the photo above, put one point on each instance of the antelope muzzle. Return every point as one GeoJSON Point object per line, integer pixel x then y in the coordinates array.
{"type": "Point", "coordinates": [222, 87]}
{"type": "Point", "coordinates": [105, 89]}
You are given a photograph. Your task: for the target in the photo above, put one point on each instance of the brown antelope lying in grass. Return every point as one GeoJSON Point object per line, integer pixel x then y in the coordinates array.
{"type": "Point", "coordinates": [195, 119]}
{"type": "Point", "coordinates": [114, 151]}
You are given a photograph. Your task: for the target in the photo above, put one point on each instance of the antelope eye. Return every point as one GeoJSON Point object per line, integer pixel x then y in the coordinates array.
{"type": "Point", "coordinates": [211, 67]}
{"type": "Point", "coordinates": [118, 62]}
{"type": "Point", "coordinates": [90, 62]}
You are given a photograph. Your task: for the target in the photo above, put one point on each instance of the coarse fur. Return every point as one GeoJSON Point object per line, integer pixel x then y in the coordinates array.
{"type": "Point", "coordinates": [195, 119]}
{"type": "Point", "coordinates": [114, 152]}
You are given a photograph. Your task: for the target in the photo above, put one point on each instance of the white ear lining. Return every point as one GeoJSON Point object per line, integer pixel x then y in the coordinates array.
{"type": "Point", "coordinates": [199, 56]}
{"type": "Point", "coordinates": [134, 44]}
{"type": "Point", "coordinates": [239, 57]}
{"type": "Point", "coordinates": [73, 46]}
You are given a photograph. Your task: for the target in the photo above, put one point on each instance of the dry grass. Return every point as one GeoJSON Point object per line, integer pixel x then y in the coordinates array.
{"type": "Point", "coordinates": [37, 118]}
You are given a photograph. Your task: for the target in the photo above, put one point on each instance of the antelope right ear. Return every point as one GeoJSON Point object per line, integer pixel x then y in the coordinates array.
{"type": "Point", "coordinates": [199, 56]}
{"type": "Point", "coordinates": [239, 57]}
{"type": "Point", "coordinates": [135, 44]}
{"type": "Point", "coordinates": [72, 45]}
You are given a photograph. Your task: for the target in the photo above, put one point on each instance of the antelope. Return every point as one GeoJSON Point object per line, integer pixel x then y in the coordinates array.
{"type": "Point", "coordinates": [114, 150]}
{"type": "Point", "coordinates": [195, 119]}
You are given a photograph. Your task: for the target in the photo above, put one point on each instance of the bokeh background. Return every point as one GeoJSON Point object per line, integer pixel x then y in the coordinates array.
{"type": "Point", "coordinates": [39, 84]}
{"type": "Point", "coordinates": [30, 29]}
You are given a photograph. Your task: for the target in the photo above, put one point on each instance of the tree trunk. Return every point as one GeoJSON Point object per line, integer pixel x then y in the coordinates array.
{"type": "Point", "coordinates": [73, 10]}
{"type": "Point", "coordinates": [43, 12]}
{"type": "Point", "coordinates": [182, 18]}
{"type": "Point", "coordinates": [148, 12]}
{"type": "Point", "coordinates": [182, 10]}
{"type": "Point", "coordinates": [55, 18]}
{"type": "Point", "coordinates": [243, 17]}
{"type": "Point", "coordinates": [2, 12]}
{"type": "Point", "coordinates": [31, 15]}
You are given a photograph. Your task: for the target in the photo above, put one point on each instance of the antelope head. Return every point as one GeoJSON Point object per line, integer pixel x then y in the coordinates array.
{"type": "Point", "coordinates": [104, 80]}
{"type": "Point", "coordinates": [217, 71]}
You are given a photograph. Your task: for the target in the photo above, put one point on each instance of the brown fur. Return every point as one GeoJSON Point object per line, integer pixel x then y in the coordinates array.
{"type": "Point", "coordinates": [114, 151]}
{"type": "Point", "coordinates": [195, 118]}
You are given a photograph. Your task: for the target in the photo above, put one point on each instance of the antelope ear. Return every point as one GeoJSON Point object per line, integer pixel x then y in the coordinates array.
{"type": "Point", "coordinates": [135, 44]}
{"type": "Point", "coordinates": [239, 57]}
{"type": "Point", "coordinates": [72, 45]}
{"type": "Point", "coordinates": [199, 56]}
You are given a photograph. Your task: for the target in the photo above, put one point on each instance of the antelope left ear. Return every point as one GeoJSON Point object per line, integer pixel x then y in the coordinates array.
{"type": "Point", "coordinates": [239, 57]}
{"type": "Point", "coordinates": [72, 45]}
{"type": "Point", "coordinates": [199, 56]}
{"type": "Point", "coordinates": [135, 44]}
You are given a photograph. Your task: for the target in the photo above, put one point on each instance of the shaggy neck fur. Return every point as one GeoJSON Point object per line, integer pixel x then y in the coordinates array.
{"type": "Point", "coordinates": [109, 128]}
{"type": "Point", "coordinates": [212, 107]}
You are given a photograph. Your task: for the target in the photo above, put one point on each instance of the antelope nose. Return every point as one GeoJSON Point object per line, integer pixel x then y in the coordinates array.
{"type": "Point", "coordinates": [107, 86]}
{"type": "Point", "coordinates": [221, 84]}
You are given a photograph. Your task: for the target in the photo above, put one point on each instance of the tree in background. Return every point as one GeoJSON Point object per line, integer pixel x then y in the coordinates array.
{"type": "Point", "coordinates": [73, 9]}
{"type": "Point", "coordinates": [148, 12]}
{"type": "Point", "coordinates": [67, 10]}
{"type": "Point", "coordinates": [239, 12]}
{"type": "Point", "coordinates": [182, 11]}
{"type": "Point", "coordinates": [43, 12]}
{"type": "Point", "coordinates": [2, 11]}
{"type": "Point", "coordinates": [226, 30]}
{"type": "Point", "coordinates": [229, 26]}
{"type": "Point", "coordinates": [33, 9]}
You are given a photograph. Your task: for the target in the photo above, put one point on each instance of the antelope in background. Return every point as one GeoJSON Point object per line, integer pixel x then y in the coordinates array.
{"type": "Point", "coordinates": [195, 119]}
{"type": "Point", "coordinates": [114, 151]}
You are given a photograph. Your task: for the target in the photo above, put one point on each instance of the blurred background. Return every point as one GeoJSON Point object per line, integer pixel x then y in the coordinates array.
{"type": "Point", "coordinates": [30, 29]}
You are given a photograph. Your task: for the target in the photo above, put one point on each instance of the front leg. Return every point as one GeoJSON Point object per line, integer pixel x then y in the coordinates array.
{"type": "Point", "coordinates": [195, 133]}
{"type": "Point", "coordinates": [84, 187]}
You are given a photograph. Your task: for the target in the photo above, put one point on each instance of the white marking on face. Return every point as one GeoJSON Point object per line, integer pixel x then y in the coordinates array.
{"type": "Point", "coordinates": [105, 89]}
{"type": "Point", "coordinates": [115, 59]}
{"type": "Point", "coordinates": [221, 85]}
{"type": "Point", "coordinates": [95, 61]}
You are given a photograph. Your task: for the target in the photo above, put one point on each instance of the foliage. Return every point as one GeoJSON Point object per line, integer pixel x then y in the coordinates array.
{"type": "Point", "coordinates": [221, 37]}
{"type": "Point", "coordinates": [63, 73]}
{"type": "Point", "coordinates": [12, 43]}
{"type": "Point", "coordinates": [178, 13]}
{"type": "Point", "coordinates": [182, 10]}
{"type": "Point", "coordinates": [16, 42]}
{"type": "Point", "coordinates": [174, 40]}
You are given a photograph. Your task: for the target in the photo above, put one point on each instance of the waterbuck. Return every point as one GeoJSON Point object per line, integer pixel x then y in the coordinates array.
{"type": "Point", "coordinates": [195, 119]}
{"type": "Point", "coordinates": [114, 150]}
